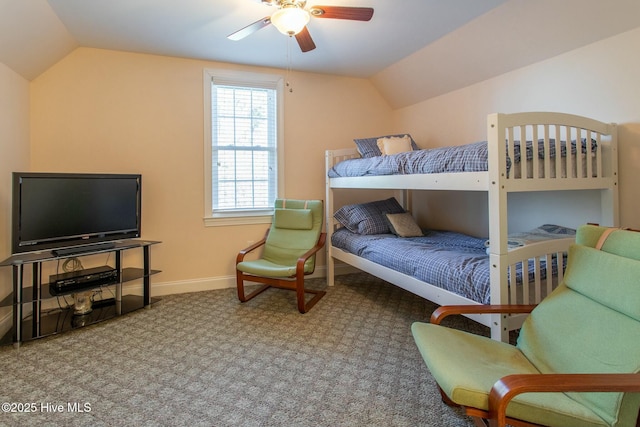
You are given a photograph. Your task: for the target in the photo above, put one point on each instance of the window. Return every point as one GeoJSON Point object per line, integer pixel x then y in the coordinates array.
{"type": "Point", "coordinates": [243, 146]}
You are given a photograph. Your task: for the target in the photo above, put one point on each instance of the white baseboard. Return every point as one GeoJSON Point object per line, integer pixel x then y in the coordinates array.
{"type": "Point", "coordinates": [213, 283]}
{"type": "Point", "coordinates": [185, 286]}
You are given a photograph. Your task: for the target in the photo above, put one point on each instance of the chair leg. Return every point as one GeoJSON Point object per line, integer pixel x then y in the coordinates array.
{"type": "Point", "coordinates": [297, 285]}
{"type": "Point", "coordinates": [303, 306]}
{"type": "Point", "coordinates": [240, 285]}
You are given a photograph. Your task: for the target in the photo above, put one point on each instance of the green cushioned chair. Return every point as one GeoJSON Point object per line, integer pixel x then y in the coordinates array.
{"type": "Point", "coordinates": [288, 252]}
{"type": "Point", "coordinates": [577, 357]}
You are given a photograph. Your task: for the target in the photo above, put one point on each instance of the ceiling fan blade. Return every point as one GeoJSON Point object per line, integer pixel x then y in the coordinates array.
{"type": "Point", "coordinates": [342, 12]}
{"type": "Point", "coordinates": [305, 41]}
{"type": "Point", "coordinates": [250, 29]}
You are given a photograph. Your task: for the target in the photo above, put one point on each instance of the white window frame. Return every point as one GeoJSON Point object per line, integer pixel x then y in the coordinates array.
{"type": "Point", "coordinates": [248, 79]}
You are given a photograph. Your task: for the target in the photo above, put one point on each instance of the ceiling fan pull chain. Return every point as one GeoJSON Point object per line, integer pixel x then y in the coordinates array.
{"type": "Point", "coordinates": [287, 82]}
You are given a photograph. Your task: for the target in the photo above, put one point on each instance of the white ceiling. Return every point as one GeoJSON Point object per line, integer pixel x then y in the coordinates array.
{"type": "Point", "coordinates": [199, 29]}
{"type": "Point", "coordinates": [453, 42]}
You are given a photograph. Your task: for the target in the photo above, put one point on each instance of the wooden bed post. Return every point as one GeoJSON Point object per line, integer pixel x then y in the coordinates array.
{"type": "Point", "coordinates": [609, 197]}
{"type": "Point", "coordinates": [498, 219]}
{"type": "Point", "coordinates": [329, 222]}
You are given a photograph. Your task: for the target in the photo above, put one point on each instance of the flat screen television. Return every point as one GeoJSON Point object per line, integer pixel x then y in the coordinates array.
{"type": "Point", "coordinates": [69, 211]}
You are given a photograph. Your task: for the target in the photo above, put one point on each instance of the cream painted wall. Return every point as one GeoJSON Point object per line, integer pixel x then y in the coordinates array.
{"type": "Point", "coordinates": [108, 111]}
{"type": "Point", "coordinates": [599, 80]}
{"type": "Point", "coordinates": [14, 146]}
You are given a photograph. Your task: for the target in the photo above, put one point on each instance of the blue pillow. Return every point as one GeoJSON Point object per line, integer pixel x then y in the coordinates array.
{"type": "Point", "coordinates": [368, 218]}
{"type": "Point", "coordinates": [368, 147]}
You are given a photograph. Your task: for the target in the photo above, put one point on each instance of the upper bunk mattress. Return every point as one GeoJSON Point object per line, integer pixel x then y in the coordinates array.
{"type": "Point", "coordinates": [466, 158]}
{"type": "Point", "coordinates": [459, 158]}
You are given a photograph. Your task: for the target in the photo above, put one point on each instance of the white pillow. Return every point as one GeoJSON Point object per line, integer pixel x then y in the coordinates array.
{"type": "Point", "coordinates": [394, 145]}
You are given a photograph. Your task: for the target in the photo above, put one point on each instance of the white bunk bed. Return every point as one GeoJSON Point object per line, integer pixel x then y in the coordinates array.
{"type": "Point", "coordinates": [597, 169]}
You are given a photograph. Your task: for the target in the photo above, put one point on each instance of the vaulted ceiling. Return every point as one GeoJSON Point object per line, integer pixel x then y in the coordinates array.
{"type": "Point", "coordinates": [430, 46]}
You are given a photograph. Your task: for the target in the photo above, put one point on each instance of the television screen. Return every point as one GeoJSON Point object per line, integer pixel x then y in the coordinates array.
{"type": "Point", "coordinates": [56, 210]}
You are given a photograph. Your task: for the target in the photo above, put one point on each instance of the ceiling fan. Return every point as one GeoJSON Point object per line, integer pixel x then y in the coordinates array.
{"type": "Point", "coordinates": [291, 19]}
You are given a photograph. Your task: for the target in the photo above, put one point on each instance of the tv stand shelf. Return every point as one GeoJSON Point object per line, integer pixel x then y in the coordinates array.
{"type": "Point", "coordinates": [63, 320]}
{"type": "Point", "coordinates": [40, 322]}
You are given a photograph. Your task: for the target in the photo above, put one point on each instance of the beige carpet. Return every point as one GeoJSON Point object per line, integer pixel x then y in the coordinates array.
{"type": "Point", "coordinates": [204, 359]}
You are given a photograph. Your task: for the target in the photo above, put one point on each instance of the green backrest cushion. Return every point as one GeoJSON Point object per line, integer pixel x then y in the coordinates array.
{"type": "Point", "coordinates": [295, 229]}
{"type": "Point", "coordinates": [293, 219]}
{"type": "Point", "coordinates": [591, 322]}
{"type": "Point", "coordinates": [621, 242]}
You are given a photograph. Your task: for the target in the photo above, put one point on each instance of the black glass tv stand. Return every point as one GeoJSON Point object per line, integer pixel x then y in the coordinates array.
{"type": "Point", "coordinates": [33, 294]}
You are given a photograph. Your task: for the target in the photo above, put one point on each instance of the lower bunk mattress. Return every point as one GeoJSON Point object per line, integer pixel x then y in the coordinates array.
{"type": "Point", "coordinates": [449, 260]}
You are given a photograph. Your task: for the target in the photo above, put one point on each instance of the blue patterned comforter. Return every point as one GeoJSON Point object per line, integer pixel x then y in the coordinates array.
{"type": "Point", "coordinates": [449, 260]}
{"type": "Point", "coordinates": [446, 259]}
{"type": "Point", "coordinates": [468, 158]}
{"type": "Point", "coordinates": [458, 158]}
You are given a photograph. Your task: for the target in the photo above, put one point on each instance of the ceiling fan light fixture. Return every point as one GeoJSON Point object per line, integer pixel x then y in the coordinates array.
{"type": "Point", "coordinates": [290, 20]}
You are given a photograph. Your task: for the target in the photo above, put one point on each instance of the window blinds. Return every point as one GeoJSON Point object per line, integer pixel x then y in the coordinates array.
{"type": "Point", "coordinates": [244, 149]}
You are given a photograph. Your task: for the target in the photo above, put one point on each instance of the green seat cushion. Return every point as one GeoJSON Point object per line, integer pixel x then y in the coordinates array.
{"type": "Point", "coordinates": [261, 267]}
{"type": "Point", "coordinates": [466, 366]}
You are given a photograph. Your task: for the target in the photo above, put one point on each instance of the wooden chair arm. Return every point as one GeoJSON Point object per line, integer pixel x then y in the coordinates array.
{"type": "Point", "coordinates": [447, 310]}
{"type": "Point", "coordinates": [304, 257]}
{"type": "Point", "coordinates": [510, 386]}
{"type": "Point", "coordinates": [252, 247]}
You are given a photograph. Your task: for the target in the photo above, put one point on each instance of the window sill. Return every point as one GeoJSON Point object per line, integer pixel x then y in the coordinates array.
{"type": "Point", "coordinates": [236, 220]}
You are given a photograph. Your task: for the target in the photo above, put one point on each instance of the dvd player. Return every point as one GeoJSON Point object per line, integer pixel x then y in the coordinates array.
{"type": "Point", "coordinates": [73, 281]}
